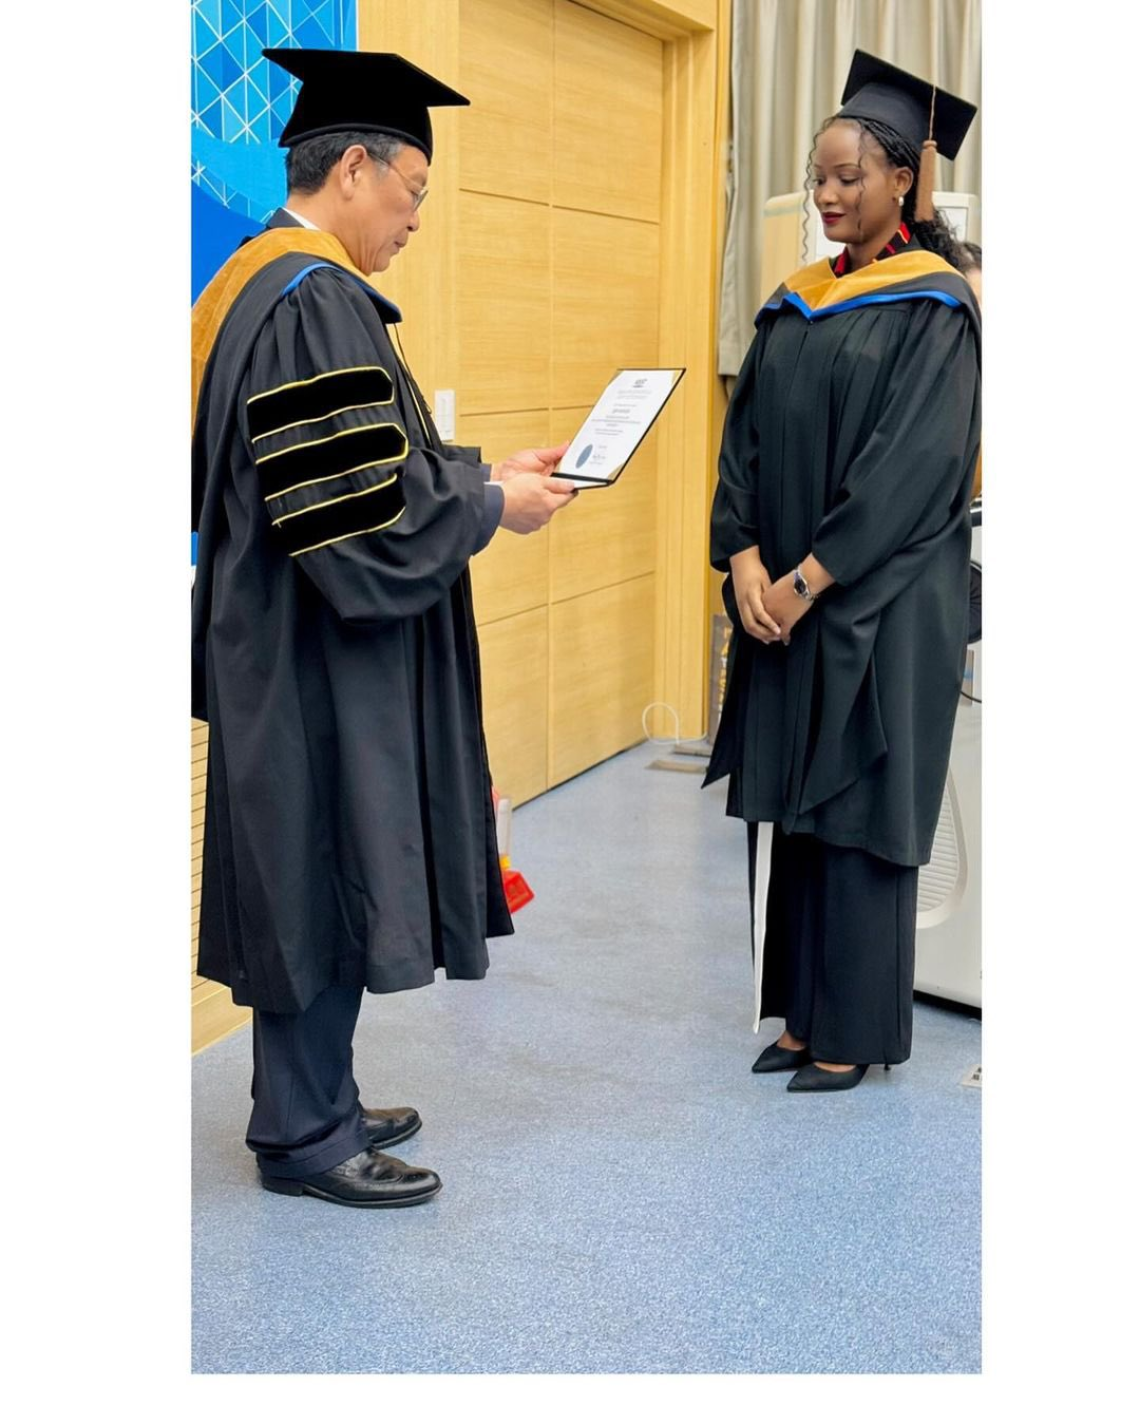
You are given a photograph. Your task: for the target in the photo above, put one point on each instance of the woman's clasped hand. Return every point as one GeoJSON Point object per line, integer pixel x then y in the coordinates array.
{"type": "Point", "coordinates": [769, 609]}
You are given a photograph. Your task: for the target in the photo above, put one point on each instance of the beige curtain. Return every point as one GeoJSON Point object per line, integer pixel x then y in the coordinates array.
{"type": "Point", "coordinates": [789, 61]}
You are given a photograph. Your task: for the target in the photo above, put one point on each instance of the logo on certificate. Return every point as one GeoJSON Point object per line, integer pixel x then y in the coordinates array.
{"type": "Point", "coordinates": [586, 452]}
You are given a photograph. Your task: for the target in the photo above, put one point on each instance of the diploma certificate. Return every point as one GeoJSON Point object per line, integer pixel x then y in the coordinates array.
{"type": "Point", "coordinates": [617, 425]}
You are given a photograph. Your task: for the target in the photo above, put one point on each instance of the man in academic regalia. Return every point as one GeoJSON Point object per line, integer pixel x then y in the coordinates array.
{"type": "Point", "coordinates": [349, 840]}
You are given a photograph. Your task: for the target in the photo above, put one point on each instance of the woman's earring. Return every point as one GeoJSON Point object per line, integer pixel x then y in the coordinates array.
{"type": "Point", "coordinates": [900, 201]}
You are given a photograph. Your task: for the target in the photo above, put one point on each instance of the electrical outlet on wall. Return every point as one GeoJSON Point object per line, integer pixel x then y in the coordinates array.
{"type": "Point", "coordinates": [444, 414]}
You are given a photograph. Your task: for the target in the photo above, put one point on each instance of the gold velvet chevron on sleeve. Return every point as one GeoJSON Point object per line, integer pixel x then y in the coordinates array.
{"type": "Point", "coordinates": [319, 398]}
{"type": "Point", "coordinates": [338, 479]}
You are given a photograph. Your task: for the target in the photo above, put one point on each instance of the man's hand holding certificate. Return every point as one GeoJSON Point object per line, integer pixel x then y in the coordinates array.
{"type": "Point", "coordinates": [530, 495]}
{"type": "Point", "coordinates": [616, 426]}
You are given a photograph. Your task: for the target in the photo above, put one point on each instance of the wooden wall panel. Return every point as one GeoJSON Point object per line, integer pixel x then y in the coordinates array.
{"type": "Point", "coordinates": [691, 224]}
{"type": "Point", "coordinates": [514, 654]}
{"type": "Point", "coordinates": [213, 1013]}
{"type": "Point", "coordinates": [199, 746]}
{"type": "Point", "coordinates": [607, 116]}
{"type": "Point", "coordinates": [601, 674]}
{"type": "Point", "coordinates": [506, 69]}
{"type": "Point", "coordinates": [512, 573]}
{"type": "Point", "coordinates": [606, 536]}
{"type": "Point", "coordinates": [606, 302]}
{"type": "Point", "coordinates": [504, 304]}
{"type": "Point", "coordinates": [667, 19]}
{"type": "Point", "coordinates": [422, 280]}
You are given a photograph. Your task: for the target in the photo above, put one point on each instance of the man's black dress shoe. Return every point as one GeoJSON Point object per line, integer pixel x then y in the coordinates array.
{"type": "Point", "coordinates": [368, 1179]}
{"type": "Point", "coordinates": [386, 1126]}
{"type": "Point", "coordinates": [812, 1079]}
{"type": "Point", "coordinates": [775, 1058]}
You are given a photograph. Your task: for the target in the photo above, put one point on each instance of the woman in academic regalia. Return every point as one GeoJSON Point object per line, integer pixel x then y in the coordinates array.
{"type": "Point", "coordinates": [842, 518]}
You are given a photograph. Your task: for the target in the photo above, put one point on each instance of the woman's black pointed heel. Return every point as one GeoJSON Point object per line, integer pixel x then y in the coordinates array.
{"type": "Point", "coordinates": [776, 1057]}
{"type": "Point", "coordinates": [812, 1079]}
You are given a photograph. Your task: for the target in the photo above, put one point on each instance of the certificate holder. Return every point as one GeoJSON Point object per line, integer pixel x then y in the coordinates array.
{"type": "Point", "coordinates": [621, 419]}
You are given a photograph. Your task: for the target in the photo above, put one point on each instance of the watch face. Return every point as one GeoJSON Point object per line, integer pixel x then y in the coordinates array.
{"type": "Point", "coordinates": [799, 583]}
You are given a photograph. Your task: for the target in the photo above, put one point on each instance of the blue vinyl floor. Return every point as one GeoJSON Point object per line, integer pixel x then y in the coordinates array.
{"type": "Point", "coordinates": [620, 1193]}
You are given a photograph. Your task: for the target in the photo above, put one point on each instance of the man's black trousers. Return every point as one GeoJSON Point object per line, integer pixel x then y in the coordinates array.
{"type": "Point", "coordinates": [306, 1106]}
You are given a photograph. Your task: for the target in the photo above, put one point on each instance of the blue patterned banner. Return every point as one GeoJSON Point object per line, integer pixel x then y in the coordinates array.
{"type": "Point", "coordinates": [239, 105]}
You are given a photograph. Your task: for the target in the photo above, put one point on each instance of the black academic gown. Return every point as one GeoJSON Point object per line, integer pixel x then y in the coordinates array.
{"type": "Point", "coordinates": [853, 433]}
{"type": "Point", "coordinates": [349, 833]}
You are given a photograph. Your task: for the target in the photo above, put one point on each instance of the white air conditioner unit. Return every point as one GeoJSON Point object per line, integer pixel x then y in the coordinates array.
{"type": "Point", "coordinates": [948, 944]}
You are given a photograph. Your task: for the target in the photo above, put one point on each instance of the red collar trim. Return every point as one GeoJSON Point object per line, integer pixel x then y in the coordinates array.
{"type": "Point", "coordinates": [901, 239]}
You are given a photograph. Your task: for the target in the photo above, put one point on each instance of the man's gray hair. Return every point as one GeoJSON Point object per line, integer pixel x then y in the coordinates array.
{"type": "Point", "coordinates": [309, 163]}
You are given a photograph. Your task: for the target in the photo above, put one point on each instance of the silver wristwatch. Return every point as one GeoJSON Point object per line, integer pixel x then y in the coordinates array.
{"type": "Point", "coordinates": [800, 584]}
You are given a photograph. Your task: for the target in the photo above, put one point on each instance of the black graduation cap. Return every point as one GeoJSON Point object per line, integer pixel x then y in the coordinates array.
{"type": "Point", "coordinates": [877, 90]}
{"type": "Point", "coordinates": [358, 89]}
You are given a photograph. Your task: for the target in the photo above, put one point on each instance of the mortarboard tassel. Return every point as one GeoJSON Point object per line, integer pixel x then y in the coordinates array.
{"type": "Point", "coordinates": [924, 202]}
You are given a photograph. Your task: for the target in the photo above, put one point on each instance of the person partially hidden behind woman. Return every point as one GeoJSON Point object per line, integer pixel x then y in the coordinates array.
{"type": "Point", "coordinates": [842, 514]}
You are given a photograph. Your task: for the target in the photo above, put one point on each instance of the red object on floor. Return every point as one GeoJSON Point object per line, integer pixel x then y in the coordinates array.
{"type": "Point", "coordinates": [518, 893]}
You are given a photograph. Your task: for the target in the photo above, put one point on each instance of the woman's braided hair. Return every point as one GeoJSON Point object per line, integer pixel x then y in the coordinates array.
{"type": "Point", "coordinates": [937, 236]}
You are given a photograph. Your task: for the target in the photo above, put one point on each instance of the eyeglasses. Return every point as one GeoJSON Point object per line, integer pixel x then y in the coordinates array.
{"type": "Point", "coordinates": [418, 194]}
